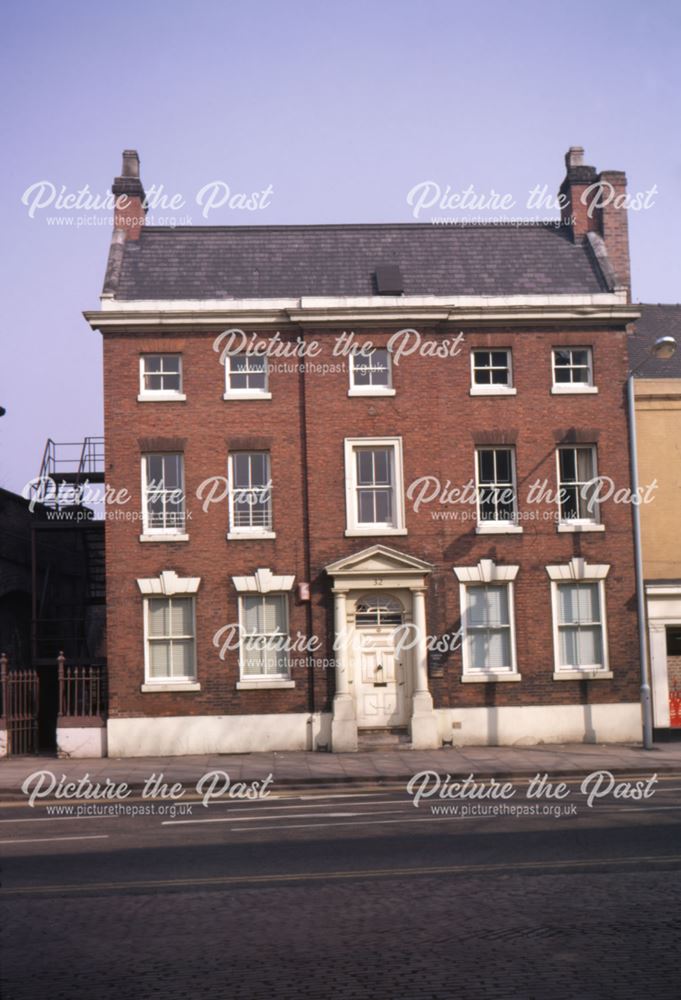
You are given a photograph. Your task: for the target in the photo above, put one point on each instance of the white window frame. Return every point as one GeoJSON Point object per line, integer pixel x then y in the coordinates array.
{"type": "Point", "coordinates": [167, 584]}
{"type": "Point", "coordinates": [247, 680]}
{"type": "Point", "coordinates": [237, 532]}
{"type": "Point", "coordinates": [231, 393]}
{"type": "Point", "coordinates": [569, 388]}
{"type": "Point", "coordinates": [487, 573]}
{"type": "Point", "coordinates": [160, 395]}
{"type": "Point", "coordinates": [592, 523]}
{"type": "Point", "coordinates": [370, 390]}
{"type": "Point", "coordinates": [477, 389]}
{"type": "Point", "coordinates": [578, 571]}
{"type": "Point", "coordinates": [355, 528]}
{"type": "Point", "coordinates": [501, 526]}
{"type": "Point", "coordinates": [154, 533]}
{"type": "Point", "coordinates": [185, 683]}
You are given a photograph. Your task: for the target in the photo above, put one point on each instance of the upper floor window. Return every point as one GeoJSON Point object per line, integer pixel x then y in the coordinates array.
{"type": "Point", "coordinates": [170, 638]}
{"type": "Point", "coordinates": [247, 377]}
{"type": "Point", "coordinates": [572, 370]}
{"type": "Point", "coordinates": [491, 373]}
{"type": "Point", "coordinates": [577, 486]}
{"type": "Point", "coordinates": [495, 472]}
{"type": "Point", "coordinates": [374, 494]}
{"type": "Point", "coordinates": [163, 497]}
{"type": "Point", "coordinates": [250, 494]}
{"type": "Point", "coordinates": [161, 377]}
{"type": "Point", "coordinates": [264, 631]}
{"type": "Point", "coordinates": [371, 373]}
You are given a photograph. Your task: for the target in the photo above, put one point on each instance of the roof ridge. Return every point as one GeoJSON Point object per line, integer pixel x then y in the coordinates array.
{"type": "Point", "coordinates": [440, 227]}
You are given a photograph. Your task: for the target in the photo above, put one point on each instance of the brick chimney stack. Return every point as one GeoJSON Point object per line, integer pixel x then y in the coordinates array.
{"type": "Point", "coordinates": [613, 223]}
{"type": "Point", "coordinates": [578, 179]}
{"type": "Point", "coordinates": [595, 203]}
{"type": "Point", "coordinates": [129, 194]}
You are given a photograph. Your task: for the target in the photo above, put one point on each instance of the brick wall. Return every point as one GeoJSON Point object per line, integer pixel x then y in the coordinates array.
{"type": "Point", "coordinates": [439, 421]}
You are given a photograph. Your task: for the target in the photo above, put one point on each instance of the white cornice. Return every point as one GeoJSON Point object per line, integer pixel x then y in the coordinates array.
{"type": "Point", "coordinates": [315, 312]}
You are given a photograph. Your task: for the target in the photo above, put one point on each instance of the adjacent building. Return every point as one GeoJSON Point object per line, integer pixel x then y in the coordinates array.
{"type": "Point", "coordinates": [658, 423]}
{"type": "Point", "coordinates": [353, 481]}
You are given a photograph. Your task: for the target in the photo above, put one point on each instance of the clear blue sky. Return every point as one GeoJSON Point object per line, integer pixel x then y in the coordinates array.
{"type": "Point", "coordinates": [341, 106]}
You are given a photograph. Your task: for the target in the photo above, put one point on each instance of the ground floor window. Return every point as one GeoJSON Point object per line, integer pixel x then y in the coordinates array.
{"type": "Point", "coordinates": [170, 638]}
{"type": "Point", "coordinates": [580, 626]}
{"type": "Point", "coordinates": [264, 630]}
{"type": "Point", "coordinates": [487, 628]}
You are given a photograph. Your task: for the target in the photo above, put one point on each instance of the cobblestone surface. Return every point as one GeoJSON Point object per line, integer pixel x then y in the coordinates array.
{"type": "Point", "coordinates": [532, 937]}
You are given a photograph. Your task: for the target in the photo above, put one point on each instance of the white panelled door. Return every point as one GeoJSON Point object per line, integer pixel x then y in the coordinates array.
{"type": "Point", "coordinates": [379, 674]}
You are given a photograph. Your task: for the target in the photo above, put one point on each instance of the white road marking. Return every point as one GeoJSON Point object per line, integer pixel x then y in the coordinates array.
{"type": "Point", "coordinates": [52, 840]}
{"type": "Point", "coordinates": [370, 822]}
{"type": "Point", "coordinates": [49, 819]}
{"type": "Point", "coordinates": [643, 809]}
{"type": "Point", "coordinates": [251, 818]}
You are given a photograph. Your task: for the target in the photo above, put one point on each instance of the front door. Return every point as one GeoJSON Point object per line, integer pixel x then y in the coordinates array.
{"type": "Point", "coordinates": [379, 672]}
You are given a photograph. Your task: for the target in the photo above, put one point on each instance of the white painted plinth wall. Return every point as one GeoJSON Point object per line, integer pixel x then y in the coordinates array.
{"type": "Point", "coordinates": [180, 736]}
{"type": "Point", "coordinates": [530, 725]}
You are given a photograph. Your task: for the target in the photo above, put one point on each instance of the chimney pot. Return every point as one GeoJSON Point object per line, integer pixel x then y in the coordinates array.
{"type": "Point", "coordinates": [131, 163]}
{"type": "Point", "coordinates": [574, 157]}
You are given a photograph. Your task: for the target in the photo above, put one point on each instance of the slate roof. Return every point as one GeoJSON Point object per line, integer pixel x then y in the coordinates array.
{"type": "Point", "coordinates": [656, 321]}
{"type": "Point", "coordinates": [205, 262]}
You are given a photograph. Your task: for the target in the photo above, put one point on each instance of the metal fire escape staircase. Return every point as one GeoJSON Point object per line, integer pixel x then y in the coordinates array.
{"type": "Point", "coordinates": [69, 578]}
{"type": "Point", "coordinates": [67, 469]}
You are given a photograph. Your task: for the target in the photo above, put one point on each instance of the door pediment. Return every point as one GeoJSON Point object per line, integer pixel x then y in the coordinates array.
{"type": "Point", "coordinates": [379, 561]}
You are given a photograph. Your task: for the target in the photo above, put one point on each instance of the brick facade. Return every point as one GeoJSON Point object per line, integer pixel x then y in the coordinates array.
{"type": "Point", "coordinates": [303, 427]}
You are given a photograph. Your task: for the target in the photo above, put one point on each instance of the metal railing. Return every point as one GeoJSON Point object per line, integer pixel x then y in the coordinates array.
{"type": "Point", "coordinates": [82, 689]}
{"type": "Point", "coordinates": [19, 701]}
{"type": "Point", "coordinates": [66, 467]}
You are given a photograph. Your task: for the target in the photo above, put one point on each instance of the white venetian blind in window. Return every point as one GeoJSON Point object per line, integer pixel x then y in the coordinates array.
{"type": "Point", "coordinates": [489, 628]}
{"type": "Point", "coordinates": [579, 625]}
{"type": "Point", "coordinates": [170, 630]}
{"type": "Point", "coordinates": [264, 622]}
{"type": "Point", "coordinates": [158, 618]}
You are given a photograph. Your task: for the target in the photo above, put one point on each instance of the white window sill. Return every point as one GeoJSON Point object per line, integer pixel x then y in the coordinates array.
{"type": "Point", "coordinates": [170, 686]}
{"type": "Point", "coordinates": [249, 536]}
{"type": "Point", "coordinates": [371, 391]}
{"type": "Point", "coordinates": [371, 532]}
{"type": "Point", "coordinates": [161, 397]}
{"type": "Point", "coordinates": [246, 394]}
{"type": "Point", "coordinates": [266, 683]}
{"type": "Point", "coordinates": [572, 389]}
{"type": "Point", "coordinates": [493, 390]}
{"type": "Point", "coordinates": [583, 675]}
{"type": "Point", "coordinates": [576, 526]}
{"type": "Point", "coordinates": [490, 678]}
{"type": "Point", "coordinates": [497, 528]}
{"type": "Point", "coordinates": [163, 538]}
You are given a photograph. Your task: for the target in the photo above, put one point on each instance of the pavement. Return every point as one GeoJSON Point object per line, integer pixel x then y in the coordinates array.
{"type": "Point", "coordinates": [385, 766]}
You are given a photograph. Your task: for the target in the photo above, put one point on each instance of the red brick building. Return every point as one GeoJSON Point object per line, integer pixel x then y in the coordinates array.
{"type": "Point", "coordinates": [292, 567]}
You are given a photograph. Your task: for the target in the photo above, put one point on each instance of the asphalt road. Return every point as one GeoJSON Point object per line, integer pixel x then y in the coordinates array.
{"type": "Point", "coordinates": [350, 893]}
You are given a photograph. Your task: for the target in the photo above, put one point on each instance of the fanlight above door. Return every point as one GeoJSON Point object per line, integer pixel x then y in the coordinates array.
{"type": "Point", "coordinates": [378, 609]}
